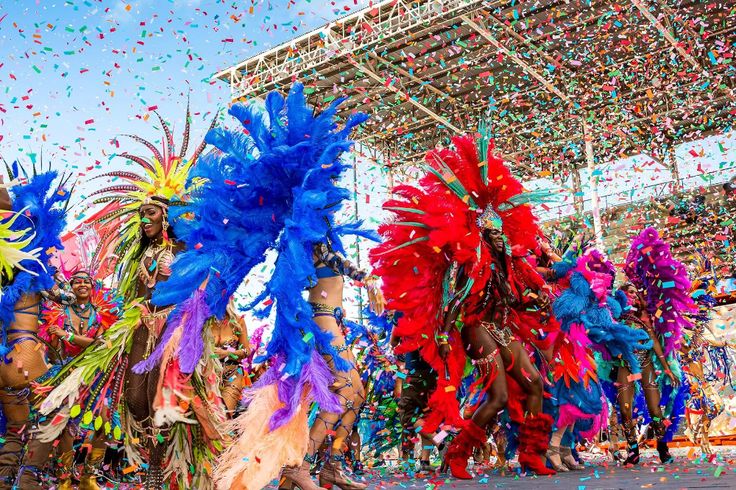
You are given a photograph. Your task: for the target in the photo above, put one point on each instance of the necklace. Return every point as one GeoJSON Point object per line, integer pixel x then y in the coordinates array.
{"type": "Point", "coordinates": [158, 255]}
{"type": "Point", "coordinates": [81, 309]}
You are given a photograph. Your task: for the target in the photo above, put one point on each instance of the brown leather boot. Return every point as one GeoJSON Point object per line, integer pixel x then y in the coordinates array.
{"type": "Point", "coordinates": [298, 476]}
{"type": "Point", "coordinates": [333, 474]}
{"type": "Point", "coordinates": [64, 473]}
{"type": "Point", "coordinates": [10, 454]}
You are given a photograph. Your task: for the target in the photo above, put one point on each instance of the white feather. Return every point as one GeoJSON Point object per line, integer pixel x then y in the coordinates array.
{"type": "Point", "coordinates": [68, 390]}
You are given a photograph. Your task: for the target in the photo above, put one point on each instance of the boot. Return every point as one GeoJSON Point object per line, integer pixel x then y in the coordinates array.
{"type": "Point", "coordinates": [333, 474]}
{"type": "Point", "coordinates": [461, 448]}
{"type": "Point", "coordinates": [533, 444]}
{"type": "Point", "coordinates": [664, 451]}
{"type": "Point", "coordinates": [298, 476]}
{"type": "Point", "coordinates": [30, 477]}
{"type": "Point", "coordinates": [10, 454]}
{"type": "Point", "coordinates": [64, 473]}
{"type": "Point", "coordinates": [89, 475]}
{"type": "Point", "coordinates": [31, 472]}
{"type": "Point", "coordinates": [632, 444]}
{"type": "Point", "coordinates": [569, 460]}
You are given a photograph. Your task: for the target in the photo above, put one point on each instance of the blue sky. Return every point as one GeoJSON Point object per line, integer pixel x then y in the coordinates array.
{"type": "Point", "coordinates": [75, 74]}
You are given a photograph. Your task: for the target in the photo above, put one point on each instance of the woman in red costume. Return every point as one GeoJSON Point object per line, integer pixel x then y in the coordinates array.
{"type": "Point", "coordinates": [69, 328]}
{"type": "Point", "coordinates": [448, 261]}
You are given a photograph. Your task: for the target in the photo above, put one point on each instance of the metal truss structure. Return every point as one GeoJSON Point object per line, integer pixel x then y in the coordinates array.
{"type": "Point", "coordinates": [641, 73]}
{"type": "Point", "coordinates": [563, 84]}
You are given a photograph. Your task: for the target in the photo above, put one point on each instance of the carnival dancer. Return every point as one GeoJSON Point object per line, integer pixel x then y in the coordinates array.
{"type": "Point", "coordinates": [377, 429]}
{"type": "Point", "coordinates": [587, 312]}
{"type": "Point", "coordinates": [231, 347]}
{"type": "Point", "coordinates": [448, 260]}
{"type": "Point", "coordinates": [176, 415]}
{"type": "Point", "coordinates": [69, 328]}
{"type": "Point", "coordinates": [29, 236]}
{"type": "Point", "coordinates": [658, 304]}
{"type": "Point", "coordinates": [271, 185]}
{"type": "Point", "coordinates": [705, 403]}
{"type": "Point", "coordinates": [417, 386]}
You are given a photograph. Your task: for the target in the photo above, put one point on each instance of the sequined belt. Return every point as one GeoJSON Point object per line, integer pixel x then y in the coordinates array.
{"type": "Point", "coordinates": [321, 309]}
{"type": "Point", "coordinates": [502, 335]}
{"type": "Point", "coordinates": [154, 322]}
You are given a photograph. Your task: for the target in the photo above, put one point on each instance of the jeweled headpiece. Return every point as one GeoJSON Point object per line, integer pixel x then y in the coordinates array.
{"type": "Point", "coordinates": [489, 219]}
{"type": "Point", "coordinates": [81, 275]}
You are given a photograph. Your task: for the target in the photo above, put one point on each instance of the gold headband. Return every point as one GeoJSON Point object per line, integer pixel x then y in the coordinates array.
{"type": "Point", "coordinates": [156, 201]}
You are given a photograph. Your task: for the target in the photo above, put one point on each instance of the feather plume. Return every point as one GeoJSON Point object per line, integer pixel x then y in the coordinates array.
{"type": "Point", "coordinates": [165, 175]}
{"type": "Point", "coordinates": [651, 267]}
{"type": "Point", "coordinates": [268, 187]}
{"type": "Point", "coordinates": [433, 226]}
{"type": "Point", "coordinates": [258, 454]}
{"type": "Point", "coordinates": [43, 204]}
{"type": "Point", "coordinates": [187, 319]}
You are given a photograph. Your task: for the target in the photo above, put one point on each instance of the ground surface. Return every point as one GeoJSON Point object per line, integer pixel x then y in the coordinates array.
{"type": "Point", "coordinates": [689, 470]}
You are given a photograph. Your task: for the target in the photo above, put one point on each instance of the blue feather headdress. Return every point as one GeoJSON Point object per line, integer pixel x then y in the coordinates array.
{"type": "Point", "coordinates": [269, 185]}
{"type": "Point", "coordinates": [41, 202]}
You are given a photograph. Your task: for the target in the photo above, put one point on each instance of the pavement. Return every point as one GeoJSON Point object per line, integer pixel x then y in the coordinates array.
{"type": "Point", "coordinates": [689, 470]}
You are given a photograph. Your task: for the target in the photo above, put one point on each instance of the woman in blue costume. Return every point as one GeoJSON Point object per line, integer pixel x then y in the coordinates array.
{"type": "Point", "coordinates": [272, 185]}
{"type": "Point", "coordinates": [29, 235]}
{"type": "Point", "coordinates": [588, 314]}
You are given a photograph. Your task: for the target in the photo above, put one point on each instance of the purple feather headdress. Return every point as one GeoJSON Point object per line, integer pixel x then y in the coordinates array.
{"type": "Point", "coordinates": [664, 281]}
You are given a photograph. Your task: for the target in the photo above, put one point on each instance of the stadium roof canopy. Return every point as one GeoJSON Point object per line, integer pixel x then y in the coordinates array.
{"type": "Point", "coordinates": [627, 76]}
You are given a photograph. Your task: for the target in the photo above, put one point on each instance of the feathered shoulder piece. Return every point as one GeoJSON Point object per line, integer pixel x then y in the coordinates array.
{"type": "Point", "coordinates": [35, 224]}
{"type": "Point", "coordinates": [588, 303]}
{"type": "Point", "coordinates": [663, 280]}
{"type": "Point", "coordinates": [160, 179]}
{"type": "Point", "coordinates": [599, 272]}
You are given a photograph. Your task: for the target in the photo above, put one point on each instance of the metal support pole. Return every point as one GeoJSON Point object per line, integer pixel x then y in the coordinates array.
{"type": "Point", "coordinates": [593, 180]}
{"type": "Point", "coordinates": [361, 320]}
{"type": "Point", "coordinates": [390, 181]}
{"type": "Point", "coordinates": [577, 193]}
{"type": "Point", "coordinates": [672, 160]}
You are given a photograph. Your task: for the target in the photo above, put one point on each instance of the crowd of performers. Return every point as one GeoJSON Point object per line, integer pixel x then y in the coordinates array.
{"type": "Point", "coordinates": [479, 329]}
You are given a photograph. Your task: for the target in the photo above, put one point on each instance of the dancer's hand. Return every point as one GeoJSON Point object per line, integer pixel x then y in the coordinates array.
{"type": "Point", "coordinates": [443, 350]}
{"type": "Point", "coordinates": [375, 296]}
{"type": "Point", "coordinates": [57, 331]}
{"type": "Point", "coordinates": [673, 379]}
